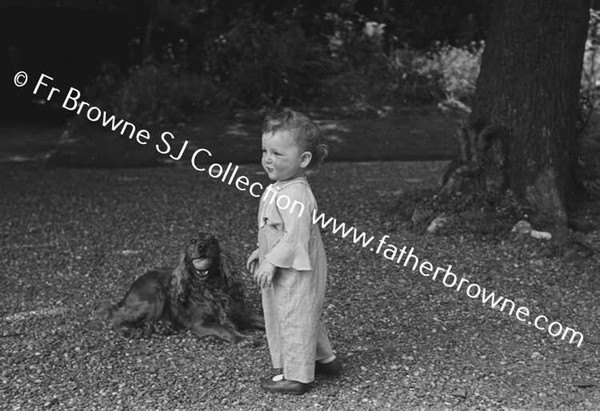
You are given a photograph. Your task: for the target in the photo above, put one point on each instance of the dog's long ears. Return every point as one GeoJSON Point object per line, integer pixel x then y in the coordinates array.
{"type": "Point", "coordinates": [226, 267]}
{"type": "Point", "coordinates": [179, 274]}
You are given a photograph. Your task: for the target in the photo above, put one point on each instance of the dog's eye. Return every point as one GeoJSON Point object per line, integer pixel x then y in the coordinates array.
{"type": "Point", "coordinates": [193, 241]}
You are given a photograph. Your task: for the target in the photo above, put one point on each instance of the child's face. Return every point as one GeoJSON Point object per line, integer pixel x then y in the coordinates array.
{"type": "Point", "coordinates": [282, 158]}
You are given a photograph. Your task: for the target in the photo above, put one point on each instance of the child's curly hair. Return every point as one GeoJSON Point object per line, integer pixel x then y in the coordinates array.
{"type": "Point", "coordinates": [305, 131]}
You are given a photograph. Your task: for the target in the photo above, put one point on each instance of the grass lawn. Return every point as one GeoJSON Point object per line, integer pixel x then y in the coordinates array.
{"type": "Point", "coordinates": [74, 239]}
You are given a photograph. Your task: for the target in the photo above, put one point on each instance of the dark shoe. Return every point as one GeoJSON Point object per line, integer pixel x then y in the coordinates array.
{"type": "Point", "coordinates": [331, 368]}
{"type": "Point", "coordinates": [284, 386]}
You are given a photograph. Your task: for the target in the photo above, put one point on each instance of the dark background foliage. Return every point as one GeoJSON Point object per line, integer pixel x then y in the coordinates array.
{"type": "Point", "coordinates": [165, 60]}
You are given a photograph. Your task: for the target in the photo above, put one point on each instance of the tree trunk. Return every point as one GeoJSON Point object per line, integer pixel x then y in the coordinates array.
{"type": "Point", "coordinates": [521, 131]}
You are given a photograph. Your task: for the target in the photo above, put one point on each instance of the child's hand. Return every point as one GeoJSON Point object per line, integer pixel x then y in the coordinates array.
{"type": "Point", "coordinates": [264, 275]}
{"type": "Point", "coordinates": [252, 261]}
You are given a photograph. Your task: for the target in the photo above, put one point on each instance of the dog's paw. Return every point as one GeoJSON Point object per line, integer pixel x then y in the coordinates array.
{"type": "Point", "coordinates": [251, 341]}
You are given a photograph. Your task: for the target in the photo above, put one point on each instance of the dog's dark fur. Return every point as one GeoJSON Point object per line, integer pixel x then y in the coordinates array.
{"type": "Point", "coordinates": [200, 294]}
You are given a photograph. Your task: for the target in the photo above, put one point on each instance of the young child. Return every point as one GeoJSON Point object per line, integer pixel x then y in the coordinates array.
{"type": "Point", "coordinates": [291, 261]}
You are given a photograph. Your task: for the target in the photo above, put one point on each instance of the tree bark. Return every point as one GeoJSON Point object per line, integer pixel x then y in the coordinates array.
{"type": "Point", "coordinates": [526, 100]}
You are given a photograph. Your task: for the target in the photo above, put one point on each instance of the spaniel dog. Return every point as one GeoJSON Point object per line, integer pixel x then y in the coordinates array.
{"type": "Point", "coordinates": [201, 294]}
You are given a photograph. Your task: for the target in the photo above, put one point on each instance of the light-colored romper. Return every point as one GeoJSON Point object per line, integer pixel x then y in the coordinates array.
{"type": "Point", "coordinates": [292, 306]}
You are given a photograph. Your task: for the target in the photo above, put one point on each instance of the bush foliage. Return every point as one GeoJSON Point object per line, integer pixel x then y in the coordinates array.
{"type": "Point", "coordinates": [288, 57]}
{"type": "Point", "coordinates": [590, 76]}
{"type": "Point", "coordinates": [258, 57]}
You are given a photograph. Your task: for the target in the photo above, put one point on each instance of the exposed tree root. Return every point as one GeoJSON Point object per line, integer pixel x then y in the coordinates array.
{"type": "Point", "coordinates": [475, 196]}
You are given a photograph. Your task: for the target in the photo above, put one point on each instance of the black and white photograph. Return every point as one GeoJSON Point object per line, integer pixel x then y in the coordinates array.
{"type": "Point", "coordinates": [299, 205]}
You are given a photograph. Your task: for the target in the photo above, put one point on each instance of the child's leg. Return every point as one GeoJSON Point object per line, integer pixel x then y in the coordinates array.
{"type": "Point", "coordinates": [300, 350]}
{"type": "Point", "coordinates": [324, 351]}
{"type": "Point", "coordinates": [272, 326]}
{"type": "Point", "coordinates": [327, 363]}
